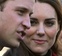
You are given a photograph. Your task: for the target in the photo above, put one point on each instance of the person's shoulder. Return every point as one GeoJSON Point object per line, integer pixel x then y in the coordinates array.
{"type": "Point", "coordinates": [10, 52]}
{"type": "Point", "coordinates": [4, 50]}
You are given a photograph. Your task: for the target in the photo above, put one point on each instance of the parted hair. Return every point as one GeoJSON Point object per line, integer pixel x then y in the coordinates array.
{"type": "Point", "coordinates": [57, 6]}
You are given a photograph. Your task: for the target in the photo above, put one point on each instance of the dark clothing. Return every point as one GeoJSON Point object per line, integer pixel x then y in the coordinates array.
{"type": "Point", "coordinates": [22, 50]}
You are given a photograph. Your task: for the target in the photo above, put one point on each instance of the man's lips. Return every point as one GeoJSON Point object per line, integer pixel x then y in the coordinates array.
{"type": "Point", "coordinates": [21, 34]}
{"type": "Point", "coordinates": [39, 41]}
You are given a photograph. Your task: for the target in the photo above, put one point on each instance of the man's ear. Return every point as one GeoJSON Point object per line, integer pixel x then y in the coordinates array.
{"type": "Point", "coordinates": [1, 7]}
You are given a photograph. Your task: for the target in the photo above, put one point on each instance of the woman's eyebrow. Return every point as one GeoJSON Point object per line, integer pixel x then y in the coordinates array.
{"type": "Point", "coordinates": [50, 18]}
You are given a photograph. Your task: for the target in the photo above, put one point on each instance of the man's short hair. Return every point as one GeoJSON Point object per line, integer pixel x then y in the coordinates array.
{"type": "Point", "coordinates": [2, 4]}
{"type": "Point", "coordinates": [2, 1]}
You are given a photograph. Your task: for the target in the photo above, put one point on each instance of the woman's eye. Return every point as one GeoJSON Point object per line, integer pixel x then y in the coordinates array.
{"type": "Point", "coordinates": [49, 23]}
{"type": "Point", "coordinates": [33, 21]}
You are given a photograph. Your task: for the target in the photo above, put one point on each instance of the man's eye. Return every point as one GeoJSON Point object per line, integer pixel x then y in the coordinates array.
{"type": "Point", "coordinates": [49, 23]}
{"type": "Point", "coordinates": [21, 12]}
{"type": "Point", "coordinates": [33, 22]}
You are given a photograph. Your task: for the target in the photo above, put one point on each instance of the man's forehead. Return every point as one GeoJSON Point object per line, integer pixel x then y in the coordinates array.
{"type": "Point", "coordinates": [17, 0]}
{"type": "Point", "coordinates": [24, 2]}
{"type": "Point", "coordinates": [20, 0]}
{"type": "Point", "coordinates": [28, 4]}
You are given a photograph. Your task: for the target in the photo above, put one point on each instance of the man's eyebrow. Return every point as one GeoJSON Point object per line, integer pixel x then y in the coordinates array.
{"type": "Point", "coordinates": [23, 9]}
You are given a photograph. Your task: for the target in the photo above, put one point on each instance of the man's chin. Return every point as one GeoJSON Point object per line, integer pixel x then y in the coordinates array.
{"type": "Point", "coordinates": [4, 44]}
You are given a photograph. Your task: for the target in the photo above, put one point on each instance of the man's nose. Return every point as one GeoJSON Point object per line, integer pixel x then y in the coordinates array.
{"type": "Point", "coordinates": [41, 31]}
{"type": "Point", "coordinates": [26, 23]}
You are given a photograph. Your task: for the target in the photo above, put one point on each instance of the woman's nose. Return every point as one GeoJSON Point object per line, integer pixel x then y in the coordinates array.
{"type": "Point", "coordinates": [40, 31]}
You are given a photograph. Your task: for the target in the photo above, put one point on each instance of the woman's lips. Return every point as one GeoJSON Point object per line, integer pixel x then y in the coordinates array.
{"type": "Point", "coordinates": [39, 41]}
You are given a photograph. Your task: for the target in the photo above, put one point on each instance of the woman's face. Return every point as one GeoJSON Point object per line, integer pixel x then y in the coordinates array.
{"type": "Point", "coordinates": [44, 27]}
{"type": "Point", "coordinates": [59, 42]}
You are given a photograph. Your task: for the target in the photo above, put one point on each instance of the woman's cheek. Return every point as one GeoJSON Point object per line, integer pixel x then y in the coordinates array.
{"type": "Point", "coordinates": [30, 31]}
{"type": "Point", "coordinates": [52, 33]}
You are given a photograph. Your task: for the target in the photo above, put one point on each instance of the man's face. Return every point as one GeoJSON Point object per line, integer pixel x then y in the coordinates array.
{"type": "Point", "coordinates": [14, 20]}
